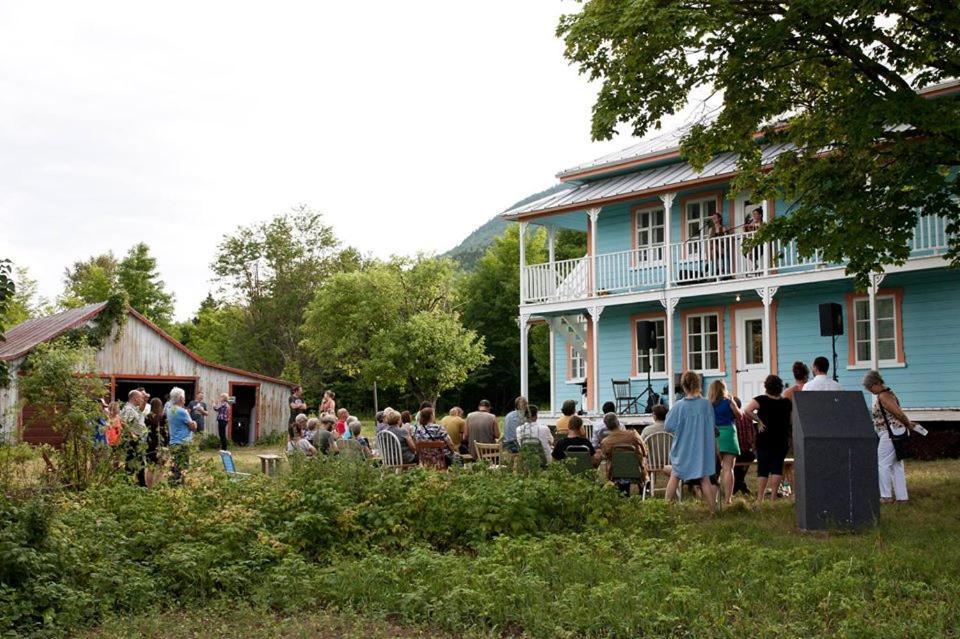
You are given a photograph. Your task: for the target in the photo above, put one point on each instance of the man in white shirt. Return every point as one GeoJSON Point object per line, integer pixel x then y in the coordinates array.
{"type": "Point", "coordinates": [820, 381]}
{"type": "Point", "coordinates": [533, 430]}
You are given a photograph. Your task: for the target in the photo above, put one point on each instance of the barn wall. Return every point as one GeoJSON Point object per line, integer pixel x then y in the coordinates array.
{"type": "Point", "coordinates": [141, 351]}
{"type": "Point", "coordinates": [8, 402]}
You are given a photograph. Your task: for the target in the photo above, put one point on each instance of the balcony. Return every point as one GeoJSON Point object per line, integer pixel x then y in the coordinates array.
{"type": "Point", "coordinates": [698, 261]}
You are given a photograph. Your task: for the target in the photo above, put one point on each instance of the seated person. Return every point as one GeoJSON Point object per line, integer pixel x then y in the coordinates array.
{"type": "Point", "coordinates": [310, 434]}
{"type": "Point", "coordinates": [532, 429]}
{"type": "Point", "coordinates": [601, 432]}
{"type": "Point", "coordinates": [298, 444]}
{"type": "Point", "coordinates": [357, 445]}
{"type": "Point", "coordinates": [408, 448]}
{"type": "Point", "coordinates": [325, 439]}
{"type": "Point", "coordinates": [659, 416]}
{"type": "Point", "coordinates": [567, 409]}
{"type": "Point", "coordinates": [574, 438]}
{"type": "Point", "coordinates": [620, 437]}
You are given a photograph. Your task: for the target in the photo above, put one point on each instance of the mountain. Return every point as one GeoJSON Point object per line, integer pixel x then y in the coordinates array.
{"type": "Point", "coordinates": [472, 248]}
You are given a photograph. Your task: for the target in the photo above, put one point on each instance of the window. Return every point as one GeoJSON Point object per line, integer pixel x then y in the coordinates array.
{"type": "Point", "coordinates": [703, 342]}
{"type": "Point", "coordinates": [753, 334]}
{"type": "Point", "coordinates": [577, 365]}
{"type": "Point", "coordinates": [886, 329]}
{"type": "Point", "coordinates": [657, 356]}
{"type": "Point", "coordinates": [650, 234]}
{"type": "Point", "coordinates": [696, 217]}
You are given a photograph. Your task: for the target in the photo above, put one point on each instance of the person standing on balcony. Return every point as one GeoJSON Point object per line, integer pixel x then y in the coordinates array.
{"type": "Point", "coordinates": [716, 230]}
{"type": "Point", "coordinates": [754, 222]}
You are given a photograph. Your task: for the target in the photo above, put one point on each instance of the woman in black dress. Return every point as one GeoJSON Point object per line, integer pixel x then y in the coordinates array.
{"type": "Point", "coordinates": [157, 436]}
{"type": "Point", "coordinates": [773, 412]}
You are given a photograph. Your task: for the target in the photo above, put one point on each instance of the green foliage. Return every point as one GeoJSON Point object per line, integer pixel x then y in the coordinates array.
{"type": "Point", "coordinates": [838, 74]}
{"type": "Point", "coordinates": [26, 302]}
{"type": "Point", "coordinates": [217, 333]}
{"type": "Point", "coordinates": [394, 323]}
{"type": "Point", "coordinates": [7, 291]}
{"type": "Point", "coordinates": [540, 555]}
{"type": "Point", "coordinates": [61, 384]}
{"type": "Point", "coordinates": [137, 275]}
{"type": "Point", "coordinates": [90, 281]}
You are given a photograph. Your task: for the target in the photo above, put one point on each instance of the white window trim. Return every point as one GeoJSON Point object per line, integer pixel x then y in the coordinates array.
{"type": "Point", "coordinates": [706, 372]}
{"type": "Point", "coordinates": [703, 217]}
{"type": "Point", "coordinates": [883, 363]}
{"type": "Point", "coordinates": [568, 363]}
{"type": "Point", "coordinates": [636, 233]}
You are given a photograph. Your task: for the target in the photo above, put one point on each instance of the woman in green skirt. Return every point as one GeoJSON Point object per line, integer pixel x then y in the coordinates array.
{"type": "Point", "coordinates": [725, 413]}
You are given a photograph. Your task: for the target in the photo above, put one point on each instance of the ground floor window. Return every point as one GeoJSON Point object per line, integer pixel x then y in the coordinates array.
{"type": "Point", "coordinates": [888, 330]}
{"type": "Point", "coordinates": [576, 353]}
{"type": "Point", "coordinates": [703, 341]}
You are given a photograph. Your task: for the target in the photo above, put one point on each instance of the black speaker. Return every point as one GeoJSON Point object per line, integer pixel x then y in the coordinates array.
{"type": "Point", "coordinates": [831, 319]}
{"type": "Point", "coordinates": [646, 335]}
{"type": "Point", "coordinates": [835, 452]}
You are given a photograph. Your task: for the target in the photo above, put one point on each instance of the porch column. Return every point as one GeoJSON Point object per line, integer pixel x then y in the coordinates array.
{"type": "Point", "coordinates": [554, 324]}
{"type": "Point", "coordinates": [765, 207]}
{"type": "Point", "coordinates": [595, 312]}
{"type": "Point", "coordinates": [766, 294]}
{"type": "Point", "coordinates": [669, 304]}
{"type": "Point", "coordinates": [523, 262]}
{"type": "Point", "coordinates": [551, 244]}
{"type": "Point", "coordinates": [875, 279]}
{"type": "Point", "coordinates": [667, 199]}
{"type": "Point", "coordinates": [524, 322]}
{"type": "Point", "coordinates": [594, 214]}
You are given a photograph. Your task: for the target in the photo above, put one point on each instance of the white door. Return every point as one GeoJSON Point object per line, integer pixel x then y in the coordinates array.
{"type": "Point", "coordinates": [752, 363]}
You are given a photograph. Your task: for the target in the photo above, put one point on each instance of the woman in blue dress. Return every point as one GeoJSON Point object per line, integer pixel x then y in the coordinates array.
{"type": "Point", "coordinates": [693, 455]}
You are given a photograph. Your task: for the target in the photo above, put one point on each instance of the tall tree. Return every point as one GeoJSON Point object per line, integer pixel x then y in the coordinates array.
{"type": "Point", "coordinates": [90, 281]}
{"type": "Point", "coordinates": [394, 323]}
{"type": "Point", "coordinates": [272, 270]}
{"type": "Point", "coordinates": [216, 333]}
{"type": "Point", "coordinates": [834, 81]}
{"type": "Point", "coordinates": [26, 303]}
{"type": "Point", "coordinates": [137, 275]}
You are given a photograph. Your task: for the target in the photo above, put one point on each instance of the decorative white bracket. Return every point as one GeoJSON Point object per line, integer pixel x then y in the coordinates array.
{"type": "Point", "coordinates": [669, 303]}
{"type": "Point", "coordinates": [766, 294]}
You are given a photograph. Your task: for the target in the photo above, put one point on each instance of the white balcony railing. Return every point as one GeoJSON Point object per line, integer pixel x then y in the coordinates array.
{"type": "Point", "coordinates": [693, 262]}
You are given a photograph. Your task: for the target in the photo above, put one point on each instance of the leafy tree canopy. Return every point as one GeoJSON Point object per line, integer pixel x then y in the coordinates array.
{"type": "Point", "coordinates": [394, 323]}
{"type": "Point", "coordinates": [835, 80]}
{"type": "Point", "coordinates": [26, 303]}
{"type": "Point", "coordinates": [90, 281]}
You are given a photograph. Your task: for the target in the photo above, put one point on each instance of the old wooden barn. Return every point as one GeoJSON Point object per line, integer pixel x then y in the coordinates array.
{"type": "Point", "coordinates": [144, 355]}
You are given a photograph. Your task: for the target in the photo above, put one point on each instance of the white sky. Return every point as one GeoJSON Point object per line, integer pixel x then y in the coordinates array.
{"type": "Point", "coordinates": [408, 124]}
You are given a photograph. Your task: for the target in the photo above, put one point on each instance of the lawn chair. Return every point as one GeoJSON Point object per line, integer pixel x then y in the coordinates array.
{"type": "Point", "coordinates": [391, 454]}
{"type": "Point", "coordinates": [489, 453]}
{"type": "Point", "coordinates": [624, 465]}
{"type": "Point", "coordinates": [582, 460]}
{"type": "Point", "coordinates": [231, 468]}
{"type": "Point", "coordinates": [658, 458]}
{"type": "Point", "coordinates": [624, 397]}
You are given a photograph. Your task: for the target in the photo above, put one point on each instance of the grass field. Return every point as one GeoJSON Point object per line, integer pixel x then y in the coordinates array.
{"type": "Point", "coordinates": [676, 572]}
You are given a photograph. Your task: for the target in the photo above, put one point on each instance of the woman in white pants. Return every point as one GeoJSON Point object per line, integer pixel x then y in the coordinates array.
{"type": "Point", "coordinates": [886, 410]}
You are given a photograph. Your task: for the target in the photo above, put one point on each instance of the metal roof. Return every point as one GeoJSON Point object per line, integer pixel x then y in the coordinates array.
{"type": "Point", "coordinates": [648, 181]}
{"type": "Point", "coordinates": [23, 338]}
{"type": "Point", "coordinates": [651, 145]}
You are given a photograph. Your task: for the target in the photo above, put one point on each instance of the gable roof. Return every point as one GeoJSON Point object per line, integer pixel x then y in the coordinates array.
{"type": "Point", "coordinates": [23, 338]}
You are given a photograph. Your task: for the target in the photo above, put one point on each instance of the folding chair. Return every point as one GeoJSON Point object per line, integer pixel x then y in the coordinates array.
{"type": "Point", "coordinates": [532, 448]}
{"type": "Point", "coordinates": [624, 465]}
{"type": "Point", "coordinates": [230, 467]}
{"type": "Point", "coordinates": [582, 459]}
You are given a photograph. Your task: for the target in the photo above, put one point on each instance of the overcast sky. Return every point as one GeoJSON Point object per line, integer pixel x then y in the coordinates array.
{"type": "Point", "coordinates": [408, 124]}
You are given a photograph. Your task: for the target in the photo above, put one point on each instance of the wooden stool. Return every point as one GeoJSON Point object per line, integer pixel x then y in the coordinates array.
{"type": "Point", "coordinates": [269, 464]}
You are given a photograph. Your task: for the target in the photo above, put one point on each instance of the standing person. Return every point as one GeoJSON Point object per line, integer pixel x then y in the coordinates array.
{"type": "Point", "coordinates": [532, 429]}
{"type": "Point", "coordinates": [773, 412]}
{"type": "Point", "coordinates": [328, 406]}
{"type": "Point", "coordinates": [198, 411]}
{"type": "Point", "coordinates": [693, 453]}
{"type": "Point", "coordinates": [617, 437]}
{"type": "Point", "coordinates": [157, 437]}
{"type": "Point", "coordinates": [453, 423]}
{"type": "Point", "coordinates": [481, 427]}
{"type": "Point", "coordinates": [889, 419]}
{"type": "Point", "coordinates": [181, 435]}
{"type": "Point", "coordinates": [134, 435]}
{"type": "Point", "coordinates": [746, 438]}
{"type": "Point", "coordinates": [820, 381]}
{"type": "Point", "coordinates": [512, 422]}
{"type": "Point", "coordinates": [223, 418]}
{"type": "Point", "coordinates": [114, 430]}
{"type": "Point", "coordinates": [801, 375]}
{"type": "Point", "coordinates": [297, 406]}
{"type": "Point", "coordinates": [725, 412]}
{"type": "Point", "coordinates": [567, 409]}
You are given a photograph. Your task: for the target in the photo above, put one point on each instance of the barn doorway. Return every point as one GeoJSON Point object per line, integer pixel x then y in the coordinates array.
{"type": "Point", "coordinates": [244, 423]}
{"type": "Point", "coordinates": [156, 386]}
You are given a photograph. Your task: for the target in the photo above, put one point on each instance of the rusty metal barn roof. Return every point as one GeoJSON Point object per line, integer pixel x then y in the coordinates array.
{"type": "Point", "coordinates": [23, 338]}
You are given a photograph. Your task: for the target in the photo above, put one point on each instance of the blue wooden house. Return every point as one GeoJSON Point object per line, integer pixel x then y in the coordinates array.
{"type": "Point", "coordinates": [718, 307]}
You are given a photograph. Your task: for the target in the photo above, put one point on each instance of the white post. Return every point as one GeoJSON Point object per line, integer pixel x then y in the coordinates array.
{"type": "Point", "coordinates": [765, 207]}
{"type": "Point", "coordinates": [669, 304]}
{"type": "Point", "coordinates": [524, 355]}
{"type": "Point", "coordinates": [667, 199]}
{"type": "Point", "coordinates": [766, 294]}
{"type": "Point", "coordinates": [594, 214]}
{"type": "Point", "coordinates": [551, 244]}
{"type": "Point", "coordinates": [523, 262]}
{"type": "Point", "coordinates": [554, 324]}
{"type": "Point", "coordinates": [875, 279]}
{"type": "Point", "coordinates": [595, 312]}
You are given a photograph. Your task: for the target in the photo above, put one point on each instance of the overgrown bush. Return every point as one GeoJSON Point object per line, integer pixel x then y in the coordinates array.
{"type": "Point", "coordinates": [208, 441]}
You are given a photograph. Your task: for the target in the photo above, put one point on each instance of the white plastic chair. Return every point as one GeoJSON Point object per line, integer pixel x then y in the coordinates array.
{"type": "Point", "coordinates": [658, 457]}
{"type": "Point", "coordinates": [391, 455]}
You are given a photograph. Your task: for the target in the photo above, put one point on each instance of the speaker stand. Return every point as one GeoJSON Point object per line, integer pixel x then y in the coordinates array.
{"type": "Point", "coordinates": [833, 343]}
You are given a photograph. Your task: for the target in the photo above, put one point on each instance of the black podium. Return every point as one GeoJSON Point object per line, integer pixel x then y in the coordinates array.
{"type": "Point", "coordinates": [835, 467]}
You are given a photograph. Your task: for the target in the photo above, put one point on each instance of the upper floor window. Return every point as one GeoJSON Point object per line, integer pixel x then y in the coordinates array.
{"type": "Point", "coordinates": [649, 233]}
{"type": "Point", "coordinates": [703, 342]}
{"type": "Point", "coordinates": [696, 218]}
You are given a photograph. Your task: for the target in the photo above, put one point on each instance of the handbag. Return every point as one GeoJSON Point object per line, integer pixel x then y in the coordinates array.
{"type": "Point", "coordinates": [902, 444]}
